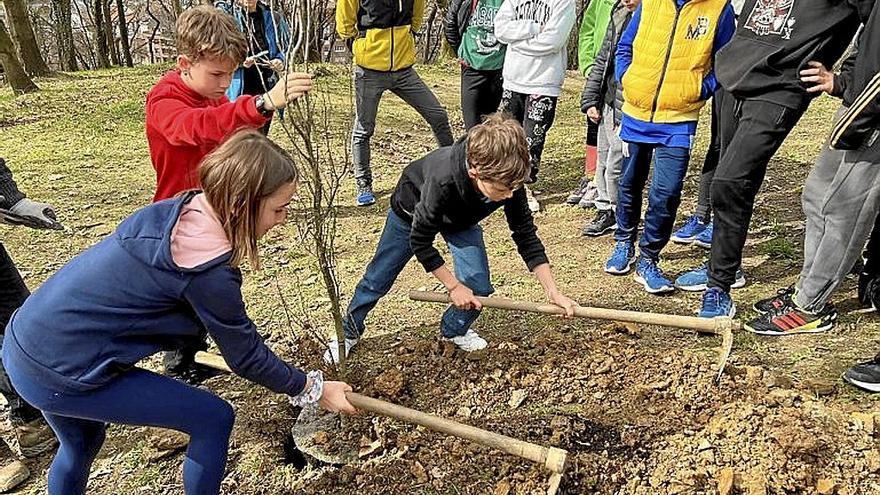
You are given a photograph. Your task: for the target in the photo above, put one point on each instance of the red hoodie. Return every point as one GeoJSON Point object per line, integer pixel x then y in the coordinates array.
{"type": "Point", "coordinates": [183, 127]}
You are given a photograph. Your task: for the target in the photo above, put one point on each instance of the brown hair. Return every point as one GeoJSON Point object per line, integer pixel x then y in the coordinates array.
{"type": "Point", "coordinates": [205, 31]}
{"type": "Point", "coordinates": [236, 178]}
{"type": "Point", "coordinates": [497, 150]}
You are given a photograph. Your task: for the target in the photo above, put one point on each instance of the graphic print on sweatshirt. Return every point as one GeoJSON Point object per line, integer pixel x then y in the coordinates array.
{"type": "Point", "coordinates": [699, 30]}
{"type": "Point", "coordinates": [483, 24]}
{"type": "Point", "coordinates": [533, 10]}
{"type": "Point", "coordinates": [772, 17]}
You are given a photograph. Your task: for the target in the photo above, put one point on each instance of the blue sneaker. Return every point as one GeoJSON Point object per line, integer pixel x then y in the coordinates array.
{"type": "Point", "coordinates": [704, 238]}
{"type": "Point", "coordinates": [716, 303]}
{"type": "Point", "coordinates": [696, 280]}
{"type": "Point", "coordinates": [364, 194]}
{"type": "Point", "coordinates": [622, 259]}
{"type": "Point", "coordinates": [689, 232]}
{"type": "Point", "coordinates": [651, 277]}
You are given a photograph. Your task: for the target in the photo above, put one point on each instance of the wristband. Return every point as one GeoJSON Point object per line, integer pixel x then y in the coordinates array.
{"type": "Point", "coordinates": [312, 394]}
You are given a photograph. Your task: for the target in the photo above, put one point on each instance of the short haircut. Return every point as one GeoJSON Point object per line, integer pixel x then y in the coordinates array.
{"type": "Point", "coordinates": [498, 151]}
{"type": "Point", "coordinates": [208, 32]}
{"type": "Point", "coordinates": [236, 178]}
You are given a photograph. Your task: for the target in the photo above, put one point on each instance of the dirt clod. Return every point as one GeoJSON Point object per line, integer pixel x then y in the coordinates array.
{"type": "Point", "coordinates": [391, 384]}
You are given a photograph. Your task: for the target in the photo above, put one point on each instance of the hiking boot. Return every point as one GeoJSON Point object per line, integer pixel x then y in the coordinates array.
{"type": "Point", "coordinates": [782, 297]}
{"type": "Point", "coordinates": [469, 342]}
{"type": "Point", "coordinates": [364, 193]}
{"type": "Point", "coordinates": [331, 355]}
{"type": "Point", "coordinates": [534, 206]}
{"type": "Point", "coordinates": [690, 230]}
{"type": "Point", "coordinates": [590, 196]}
{"type": "Point", "coordinates": [704, 238]}
{"type": "Point", "coordinates": [34, 438]}
{"type": "Point", "coordinates": [13, 474]}
{"type": "Point", "coordinates": [696, 280]}
{"type": "Point", "coordinates": [603, 223]}
{"type": "Point", "coordinates": [622, 258]}
{"type": "Point", "coordinates": [865, 376]}
{"type": "Point", "coordinates": [651, 277]}
{"type": "Point", "coordinates": [789, 319]}
{"type": "Point", "coordinates": [574, 197]}
{"type": "Point", "coordinates": [716, 303]}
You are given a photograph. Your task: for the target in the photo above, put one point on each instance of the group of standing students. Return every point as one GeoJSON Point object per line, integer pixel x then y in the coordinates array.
{"type": "Point", "coordinates": [169, 275]}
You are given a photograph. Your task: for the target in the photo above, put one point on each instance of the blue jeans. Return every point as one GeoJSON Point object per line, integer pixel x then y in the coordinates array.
{"type": "Point", "coordinates": [392, 254]}
{"type": "Point", "coordinates": [670, 165]}
{"type": "Point", "coordinates": [135, 397]}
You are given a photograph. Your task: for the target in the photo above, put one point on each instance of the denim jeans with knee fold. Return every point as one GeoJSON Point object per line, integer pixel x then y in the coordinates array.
{"type": "Point", "coordinates": [392, 254]}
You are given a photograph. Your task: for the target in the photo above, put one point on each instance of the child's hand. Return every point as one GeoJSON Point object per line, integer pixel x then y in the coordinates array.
{"type": "Point", "coordinates": [248, 63]}
{"type": "Point", "coordinates": [276, 65]}
{"type": "Point", "coordinates": [821, 78]}
{"type": "Point", "coordinates": [563, 302]}
{"type": "Point", "coordinates": [293, 86]}
{"type": "Point", "coordinates": [333, 399]}
{"type": "Point", "coordinates": [463, 297]}
{"type": "Point", "coordinates": [594, 115]}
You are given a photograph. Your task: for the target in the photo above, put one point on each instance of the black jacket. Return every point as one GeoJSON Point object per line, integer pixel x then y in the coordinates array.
{"type": "Point", "coordinates": [436, 195]}
{"type": "Point", "coordinates": [859, 82]}
{"type": "Point", "coordinates": [774, 40]}
{"type": "Point", "coordinates": [458, 13]}
{"type": "Point", "coordinates": [601, 86]}
{"type": "Point", "coordinates": [9, 193]}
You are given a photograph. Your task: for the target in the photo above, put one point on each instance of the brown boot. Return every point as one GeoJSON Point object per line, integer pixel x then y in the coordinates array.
{"type": "Point", "coordinates": [12, 474]}
{"type": "Point", "coordinates": [34, 438]}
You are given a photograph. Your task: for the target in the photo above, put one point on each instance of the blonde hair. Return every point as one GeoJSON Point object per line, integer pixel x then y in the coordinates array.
{"type": "Point", "coordinates": [208, 32]}
{"type": "Point", "coordinates": [498, 151]}
{"type": "Point", "coordinates": [236, 178]}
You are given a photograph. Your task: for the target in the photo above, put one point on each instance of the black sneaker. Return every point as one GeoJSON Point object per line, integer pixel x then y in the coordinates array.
{"type": "Point", "coordinates": [782, 297]}
{"type": "Point", "coordinates": [789, 320]}
{"type": "Point", "coordinates": [868, 287]}
{"type": "Point", "coordinates": [603, 223]}
{"type": "Point", "coordinates": [865, 376]}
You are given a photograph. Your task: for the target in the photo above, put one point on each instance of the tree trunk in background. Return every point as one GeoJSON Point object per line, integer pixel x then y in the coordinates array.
{"type": "Point", "coordinates": [100, 37]}
{"type": "Point", "coordinates": [176, 8]}
{"type": "Point", "coordinates": [15, 73]}
{"type": "Point", "coordinates": [64, 34]}
{"type": "Point", "coordinates": [25, 39]}
{"type": "Point", "coordinates": [108, 33]}
{"type": "Point", "coordinates": [123, 33]}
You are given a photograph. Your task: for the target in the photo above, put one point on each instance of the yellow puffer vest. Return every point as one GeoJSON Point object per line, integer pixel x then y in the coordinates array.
{"type": "Point", "coordinates": [382, 31]}
{"type": "Point", "coordinates": [672, 54]}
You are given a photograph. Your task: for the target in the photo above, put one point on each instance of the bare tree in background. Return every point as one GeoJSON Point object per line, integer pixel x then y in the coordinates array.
{"type": "Point", "coordinates": [63, 24]}
{"type": "Point", "coordinates": [123, 33]}
{"type": "Point", "coordinates": [25, 39]}
{"type": "Point", "coordinates": [108, 33]}
{"type": "Point", "coordinates": [100, 38]}
{"type": "Point", "coordinates": [18, 79]}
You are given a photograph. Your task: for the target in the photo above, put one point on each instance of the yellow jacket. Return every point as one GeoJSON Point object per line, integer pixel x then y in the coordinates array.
{"type": "Point", "coordinates": [382, 34]}
{"type": "Point", "coordinates": [671, 56]}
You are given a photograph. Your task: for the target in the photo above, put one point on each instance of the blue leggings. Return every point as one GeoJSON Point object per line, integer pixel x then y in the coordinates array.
{"type": "Point", "coordinates": [137, 397]}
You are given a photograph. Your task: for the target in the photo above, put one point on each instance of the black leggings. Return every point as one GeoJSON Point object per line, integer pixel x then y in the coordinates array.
{"type": "Point", "coordinates": [536, 114]}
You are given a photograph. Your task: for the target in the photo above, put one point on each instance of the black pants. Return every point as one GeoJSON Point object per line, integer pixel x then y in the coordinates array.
{"type": "Point", "coordinates": [536, 114]}
{"type": "Point", "coordinates": [480, 94]}
{"type": "Point", "coordinates": [750, 133]}
{"type": "Point", "coordinates": [13, 292]}
{"type": "Point", "coordinates": [256, 81]}
{"type": "Point", "coordinates": [592, 133]}
{"type": "Point", "coordinates": [872, 261]}
{"type": "Point", "coordinates": [722, 104]}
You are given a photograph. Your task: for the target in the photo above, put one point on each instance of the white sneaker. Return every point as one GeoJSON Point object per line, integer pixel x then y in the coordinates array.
{"type": "Point", "coordinates": [469, 342]}
{"type": "Point", "coordinates": [534, 206]}
{"type": "Point", "coordinates": [331, 355]}
{"type": "Point", "coordinates": [591, 193]}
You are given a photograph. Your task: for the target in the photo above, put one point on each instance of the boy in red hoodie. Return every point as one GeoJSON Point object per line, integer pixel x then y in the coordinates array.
{"type": "Point", "coordinates": [188, 113]}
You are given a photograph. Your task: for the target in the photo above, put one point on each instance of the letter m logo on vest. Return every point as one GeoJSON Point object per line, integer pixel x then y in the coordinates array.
{"type": "Point", "coordinates": [699, 29]}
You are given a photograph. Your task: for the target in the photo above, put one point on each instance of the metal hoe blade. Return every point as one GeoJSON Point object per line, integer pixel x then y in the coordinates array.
{"type": "Point", "coordinates": [307, 435]}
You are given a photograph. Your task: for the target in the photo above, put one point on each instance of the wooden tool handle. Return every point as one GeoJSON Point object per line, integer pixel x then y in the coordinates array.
{"type": "Point", "coordinates": [552, 458]}
{"type": "Point", "coordinates": [705, 325]}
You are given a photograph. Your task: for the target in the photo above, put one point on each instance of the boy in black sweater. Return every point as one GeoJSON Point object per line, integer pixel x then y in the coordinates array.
{"type": "Point", "coordinates": [448, 192]}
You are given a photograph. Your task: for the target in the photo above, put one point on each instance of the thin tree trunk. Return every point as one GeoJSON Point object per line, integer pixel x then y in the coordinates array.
{"type": "Point", "coordinates": [123, 33]}
{"type": "Point", "coordinates": [176, 8]}
{"type": "Point", "coordinates": [64, 35]}
{"type": "Point", "coordinates": [25, 39]}
{"type": "Point", "coordinates": [100, 37]}
{"type": "Point", "coordinates": [12, 67]}
{"type": "Point", "coordinates": [108, 33]}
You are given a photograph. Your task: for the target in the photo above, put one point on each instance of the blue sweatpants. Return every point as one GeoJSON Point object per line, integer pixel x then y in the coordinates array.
{"type": "Point", "coordinates": [137, 397]}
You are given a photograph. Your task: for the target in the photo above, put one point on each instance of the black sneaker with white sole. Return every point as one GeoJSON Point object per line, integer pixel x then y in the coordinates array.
{"type": "Point", "coordinates": [604, 223]}
{"type": "Point", "coordinates": [865, 376]}
{"type": "Point", "coordinates": [782, 298]}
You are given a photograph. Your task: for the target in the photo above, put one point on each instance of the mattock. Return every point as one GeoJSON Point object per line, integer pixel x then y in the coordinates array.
{"type": "Point", "coordinates": [555, 460]}
{"type": "Point", "coordinates": [722, 326]}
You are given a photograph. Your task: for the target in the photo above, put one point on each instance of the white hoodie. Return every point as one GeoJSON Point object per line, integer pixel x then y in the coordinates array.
{"type": "Point", "coordinates": [536, 33]}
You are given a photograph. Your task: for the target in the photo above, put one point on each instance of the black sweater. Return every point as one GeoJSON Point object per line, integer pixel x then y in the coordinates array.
{"type": "Point", "coordinates": [774, 40]}
{"type": "Point", "coordinates": [436, 195]}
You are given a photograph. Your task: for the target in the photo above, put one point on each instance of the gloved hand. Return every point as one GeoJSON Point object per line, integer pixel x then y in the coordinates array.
{"type": "Point", "coordinates": [31, 214]}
